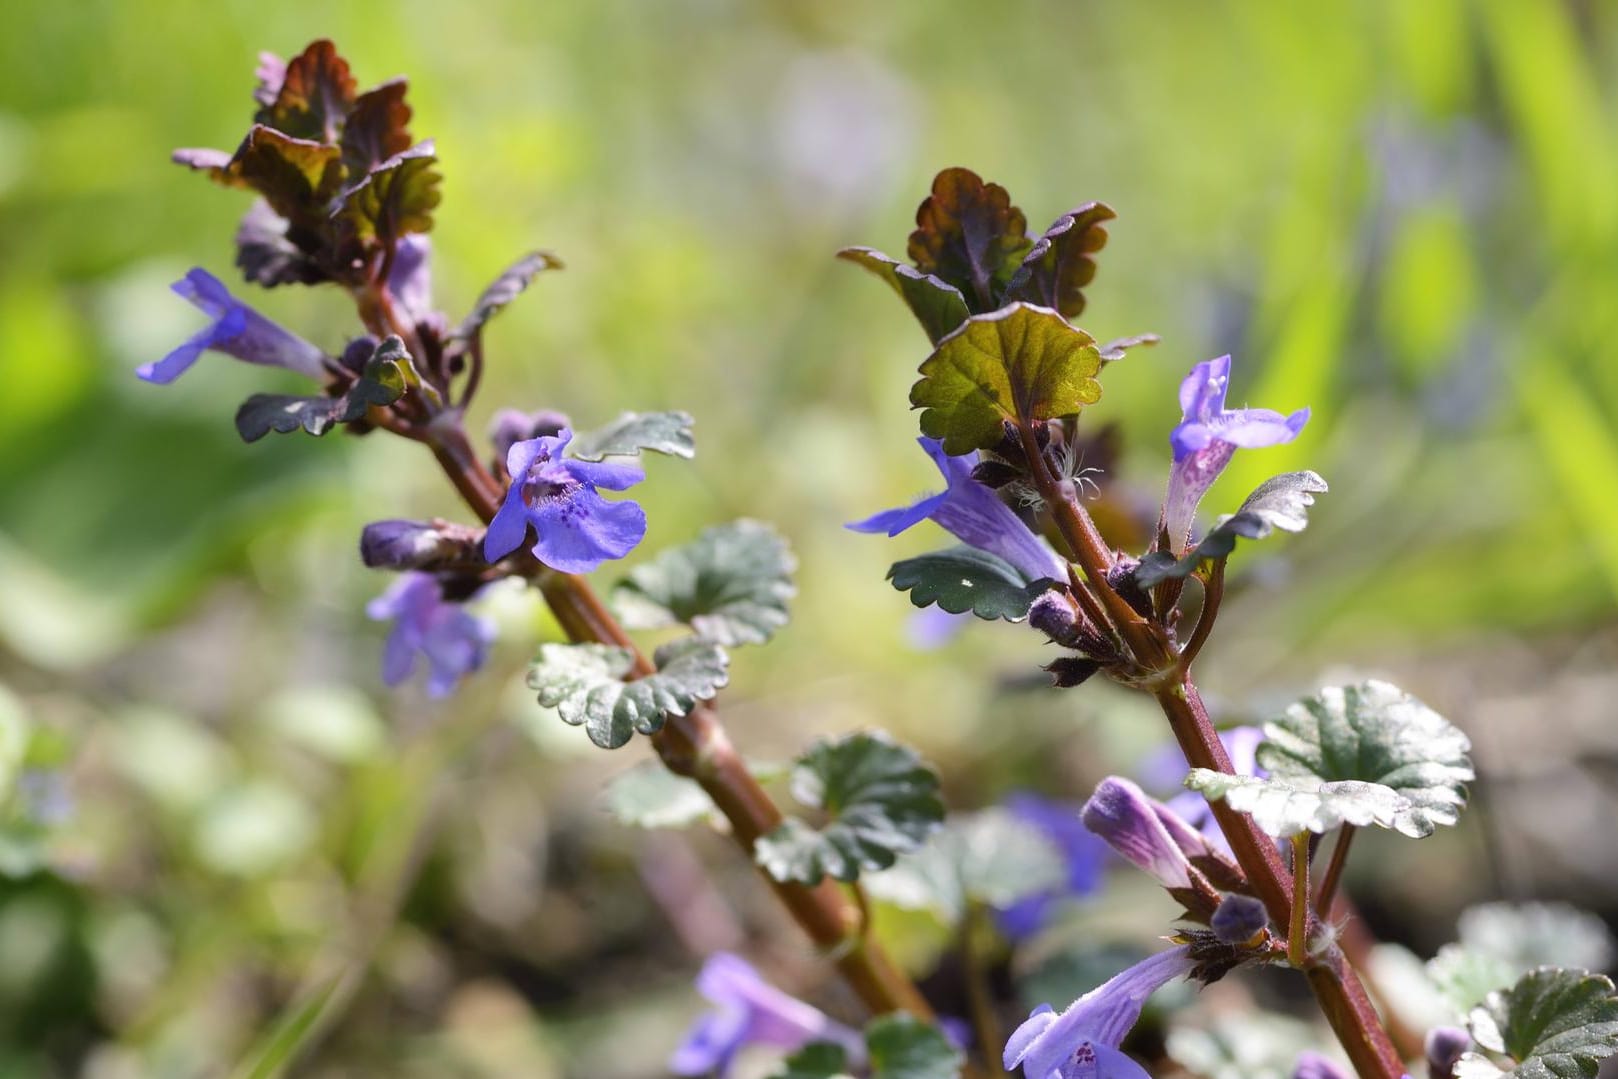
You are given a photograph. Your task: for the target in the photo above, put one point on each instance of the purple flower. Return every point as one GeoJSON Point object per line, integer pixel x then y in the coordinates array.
{"type": "Point", "coordinates": [1444, 1048]}
{"type": "Point", "coordinates": [1082, 852]}
{"type": "Point", "coordinates": [454, 642]}
{"type": "Point", "coordinates": [1082, 1042]}
{"type": "Point", "coordinates": [1315, 1066]}
{"type": "Point", "coordinates": [1142, 830]}
{"type": "Point", "coordinates": [237, 330]}
{"type": "Point", "coordinates": [933, 627]}
{"type": "Point", "coordinates": [974, 514]}
{"type": "Point", "coordinates": [576, 528]}
{"type": "Point", "coordinates": [509, 426]}
{"type": "Point", "coordinates": [1239, 919]}
{"type": "Point", "coordinates": [750, 1011]}
{"type": "Point", "coordinates": [1207, 437]}
{"type": "Point", "coordinates": [411, 277]}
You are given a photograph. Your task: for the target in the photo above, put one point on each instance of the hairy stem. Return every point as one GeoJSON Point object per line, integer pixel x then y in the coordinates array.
{"type": "Point", "coordinates": [1336, 986]}
{"type": "Point", "coordinates": [1213, 590]}
{"type": "Point", "coordinates": [1298, 927]}
{"type": "Point", "coordinates": [696, 746]}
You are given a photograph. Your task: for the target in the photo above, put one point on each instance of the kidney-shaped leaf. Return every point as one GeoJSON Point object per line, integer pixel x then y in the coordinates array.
{"type": "Point", "coordinates": [965, 579]}
{"type": "Point", "coordinates": [1020, 363]}
{"type": "Point", "coordinates": [1553, 1024]}
{"type": "Point", "coordinates": [731, 584]}
{"type": "Point", "coordinates": [585, 684]}
{"type": "Point", "coordinates": [882, 801]}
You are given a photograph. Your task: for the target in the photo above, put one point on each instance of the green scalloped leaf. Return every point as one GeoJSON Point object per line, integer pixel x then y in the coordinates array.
{"type": "Point", "coordinates": [1279, 502]}
{"type": "Point", "coordinates": [969, 235]}
{"type": "Point", "coordinates": [1375, 732]}
{"type": "Point", "coordinates": [731, 585]}
{"type": "Point", "coordinates": [965, 579]}
{"type": "Point", "coordinates": [382, 383]}
{"type": "Point", "coordinates": [882, 801]}
{"type": "Point", "coordinates": [817, 1060]}
{"type": "Point", "coordinates": [1499, 942]}
{"type": "Point", "coordinates": [650, 796]}
{"type": "Point", "coordinates": [1285, 807]}
{"type": "Point", "coordinates": [938, 306]}
{"type": "Point", "coordinates": [1553, 1024]}
{"type": "Point", "coordinates": [635, 432]}
{"type": "Point", "coordinates": [1018, 364]}
{"type": "Point", "coordinates": [1362, 754]}
{"type": "Point", "coordinates": [903, 1047]}
{"type": "Point", "coordinates": [990, 857]}
{"type": "Point", "coordinates": [1062, 261]}
{"type": "Point", "coordinates": [585, 684]}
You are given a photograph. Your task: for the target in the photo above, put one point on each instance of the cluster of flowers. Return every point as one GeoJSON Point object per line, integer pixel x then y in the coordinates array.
{"type": "Point", "coordinates": [551, 496]}
{"type": "Point", "coordinates": [1081, 1042]}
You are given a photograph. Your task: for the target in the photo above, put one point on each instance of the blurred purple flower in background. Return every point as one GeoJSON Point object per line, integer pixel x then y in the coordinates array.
{"type": "Point", "coordinates": [575, 528]}
{"type": "Point", "coordinates": [1082, 1042]}
{"type": "Point", "coordinates": [1166, 769]}
{"type": "Point", "coordinates": [1444, 1047]}
{"type": "Point", "coordinates": [237, 330]}
{"type": "Point", "coordinates": [973, 514]}
{"type": "Point", "coordinates": [750, 1011]}
{"type": "Point", "coordinates": [454, 641]}
{"type": "Point", "coordinates": [1208, 436]}
{"type": "Point", "coordinates": [1082, 851]}
{"type": "Point", "coordinates": [1315, 1066]}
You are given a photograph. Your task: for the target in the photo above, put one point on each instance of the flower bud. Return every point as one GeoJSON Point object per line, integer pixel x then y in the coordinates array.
{"type": "Point", "coordinates": [359, 353]}
{"type": "Point", "coordinates": [1119, 813]}
{"type": "Point", "coordinates": [1445, 1046]}
{"type": "Point", "coordinates": [510, 426]}
{"type": "Point", "coordinates": [401, 545]}
{"type": "Point", "coordinates": [1239, 919]}
{"type": "Point", "coordinates": [1053, 615]}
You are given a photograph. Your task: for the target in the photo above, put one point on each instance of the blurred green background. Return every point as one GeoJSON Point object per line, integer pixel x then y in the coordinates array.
{"type": "Point", "coordinates": [1403, 214]}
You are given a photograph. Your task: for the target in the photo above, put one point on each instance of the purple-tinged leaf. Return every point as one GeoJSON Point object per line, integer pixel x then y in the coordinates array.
{"type": "Point", "coordinates": [377, 128]}
{"type": "Point", "coordinates": [505, 288]}
{"type": "Point", "coordinates": [970, 235]}
{"type": "Point", "coordinates": [267, 256]}
{"type": "Point", "coordinates": [315, 95]}
{"type": "Point", "coordinates": [1062, 262]}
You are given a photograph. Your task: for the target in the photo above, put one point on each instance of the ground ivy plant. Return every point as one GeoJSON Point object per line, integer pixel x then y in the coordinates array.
{"type": "Point", "coordinates": [343, 195]}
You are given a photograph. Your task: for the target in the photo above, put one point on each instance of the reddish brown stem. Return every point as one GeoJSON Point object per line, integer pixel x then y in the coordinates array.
{"type": "Point", "coordinates": [1334, 871]}
{"type": "Point", "coordinates": [696, 745]}
{"type": "Point", "coordinates": [1213, 590]}
{"type": "Point", "coordinates": [1337, 988]}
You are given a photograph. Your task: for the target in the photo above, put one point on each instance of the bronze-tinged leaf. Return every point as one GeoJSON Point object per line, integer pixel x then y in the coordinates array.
{"type": "Point", "coordinates": [315, 96]}
{"type": "Point", "coordinates": [940, 308]}
{"type": "Point", "coordinates": [970, 235]}
{"type": "Point", "coordinates": [396, 197]}
{"type": "Point", "coordinates": [377, 128]}
{"type": "Point", "coordinates": [297, 177]}
{"type": "Point", "coordinates": [1062, 262]}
